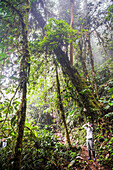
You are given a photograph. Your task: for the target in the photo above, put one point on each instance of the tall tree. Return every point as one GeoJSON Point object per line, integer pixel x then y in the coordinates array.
{"type": "Point", "coordinates": [53, 42]}
{"type": "Point", "coordinates": [82, 57]}
{"type": "Point", "coordinates": [92, 65]}
{"type": "Point", "coordinates": [85, 94]}
{"type": "Point", "coordinates": [71, 24]}
{"type": "Point", "coordinates": [61, 108]}
{"type": "Point", "coordinates": [23, 15]}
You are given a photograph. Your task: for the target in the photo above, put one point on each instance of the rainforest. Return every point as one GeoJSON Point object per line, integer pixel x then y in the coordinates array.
{"type": "Point", "coordinates": [56, 84]}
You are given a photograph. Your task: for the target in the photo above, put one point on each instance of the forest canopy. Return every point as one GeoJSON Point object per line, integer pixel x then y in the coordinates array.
{"type": "Point", "coordinates": [56, 74]}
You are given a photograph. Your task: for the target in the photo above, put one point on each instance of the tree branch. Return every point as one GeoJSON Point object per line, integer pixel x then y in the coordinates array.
{"type": "Point", "coordinates": [13, 7]}
{"type": "Point", "coordinates": [10, 104]}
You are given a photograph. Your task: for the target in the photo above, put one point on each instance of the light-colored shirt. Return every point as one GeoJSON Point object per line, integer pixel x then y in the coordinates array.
{"type": "Point", "coordinates": [89, 130]}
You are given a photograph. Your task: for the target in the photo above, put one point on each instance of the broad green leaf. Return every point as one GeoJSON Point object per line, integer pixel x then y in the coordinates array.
{"type": "Point", "coordinates": [110, 90]}
{"type": "Point", "coordinates": [35, 133]}
{"type": "Point", "coordinates": [2, 56]}
{"type": "Point", "coordinates": [111, 104]}
{"type": "Point", "coordinates": [71, 112]}
{"type": "Point", "coordinates": [13, 78]}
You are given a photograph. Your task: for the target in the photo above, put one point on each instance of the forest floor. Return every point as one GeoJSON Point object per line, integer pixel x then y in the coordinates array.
{"type": "Point", "coordinates": [90, 165]}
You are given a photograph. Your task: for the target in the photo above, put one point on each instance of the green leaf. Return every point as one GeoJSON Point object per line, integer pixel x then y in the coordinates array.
{"type": "Point", "coordinates": [111, 104]}
{"type": "Point", "coordinates": [111, 139]}
{"type": "Point", "coordinates": [2, 56]}
{"type": "Point", "coordinates": [35, 133]}
{"type": "Point", "coordinates": [110, 90]}
{"type": "Point", "coordinates": [5, 110]}
{"type": "Point", "coordinates": [13, 120]}
{"type": "Point", "coordinates": [71, 112]}
{"type": "Point", "coordinates": [34, 128]}
{"type": "Point", "coordinates": [19, 149]}
{"type": "Point", "coordinates": [2, 76]}
{"type": "Point", "coordinates": [13, 78]}
{"type": "Point", "coordinates": [11, 38]}
{"type": "Point", "coordinates": [85, 91]}
{"type": "Point", "coordinates": [28, 125]}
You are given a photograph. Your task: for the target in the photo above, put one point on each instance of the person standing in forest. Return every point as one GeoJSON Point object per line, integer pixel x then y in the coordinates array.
{"type": "Point", "coordinates": [89, 139]}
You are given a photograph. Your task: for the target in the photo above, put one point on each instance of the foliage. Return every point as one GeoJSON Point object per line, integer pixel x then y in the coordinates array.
{"type": "Point", "coordinates": [103, 143]}
{"type": "Point", "coordinates": [59, 33]}
{"type": "Point", "coordinates": [109, 16]}
{"type": "Point", "coordinates": [41, 150]}
{"type": "Point", "coordinates": [40, 147]}
{"type": "Point", "coordinates": [104, 80]}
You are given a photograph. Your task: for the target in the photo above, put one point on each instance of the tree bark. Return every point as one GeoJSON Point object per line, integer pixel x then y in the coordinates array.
{"type": "Point", "coordinates": [24, 71]}
{"type": "Point", "coordinates": [24, 74]}
{"type": "Point", "coordinates": [61, 108]}
{"type": "Point", "coordinates": [71, 24]}
{"type": "Point", "coordinates": [92, 64]}
{"type": "Point", "coordinates": [82, 60]}
{"type": "Point", "coordinates": [37, 17]}
{"type": "Point", "coordinates": [24, 79]}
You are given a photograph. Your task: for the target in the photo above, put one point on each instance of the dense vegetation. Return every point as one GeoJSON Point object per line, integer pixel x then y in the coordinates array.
{"type": "Point", "coordinates": [56, 73]}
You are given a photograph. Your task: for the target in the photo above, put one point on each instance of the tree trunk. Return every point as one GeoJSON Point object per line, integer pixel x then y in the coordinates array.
{"type": "Point", "coordinates": [18, 147]}
{"type": "Point", "coordinates": [82, 60]}
{"type": "Point", "coordinates": [71, 24]}
{"type": "Point", "coordinates": [61, 108]}
{"type": "Point", "coordinates": [87, 98]}
{"type": "Point", "coordinates": [92, 65]}
{"type": "Point", "coordinates": [38, 17]}
{"type": "Point", "coordinates": [24, 75]}
{"type": "Point", "coordinates": [23, 15]}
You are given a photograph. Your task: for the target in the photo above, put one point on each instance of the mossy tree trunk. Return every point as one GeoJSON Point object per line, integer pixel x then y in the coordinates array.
{"type": "Point", "coordinates": [71, 24]}
{"type": "Point", "coordinates": [24, 73]}
{"type": "Point", "coordinates": [92, 64]}
{"type": "Point", "coordinates": [82, 58]}
{"type": "Point", "coordinates": [87, 98]}
{"type": "Point", "coordinates": [61, 108]}
{"type": "Point", "coordinates": [23, 15]}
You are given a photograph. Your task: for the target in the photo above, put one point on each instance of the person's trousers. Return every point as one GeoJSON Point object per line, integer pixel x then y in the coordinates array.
{"type": "Point", "coordinates": [90, 147]}
{"type": "Point", "coordinates": [89, 143]}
